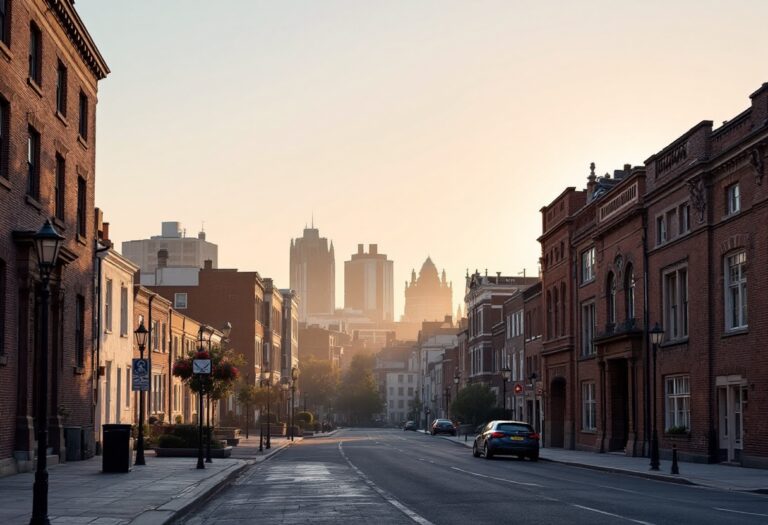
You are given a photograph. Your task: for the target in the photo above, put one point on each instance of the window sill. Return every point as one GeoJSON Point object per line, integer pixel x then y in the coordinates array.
{"type": "Point", "coordinates": [33, 202]}
{"type": "Point", "coordinates": [81, 240]}
{"type": "Point", "coordinates": [591, 432]}
{"type": "Point", "coordinates": [78, 370]}
{"type": "Point", "coordinates": [678, 437]}
{"type": "Point", "coordinates": [588, 357]}
{"type": "Point", "coordinates": [35, 86]}
{"type": "Point", "coordinates": [736, 331]}
{"type": "Point", "coordinates": [62, 118]}
{"type": "Point", "coordinates": [3, 360]}
{"type": "Point", "coordinates": [674, 342]}
{"type": "Point", "coordinates": [59, 223]}
{"type": "Point", "coordinates": [5, 51]}
{"type": "Point", "coordinates": [5, 183]}
{"type": "Point", "coordinates": [107, 331]}
{"type": "Point", "coordinates": [81, 141]}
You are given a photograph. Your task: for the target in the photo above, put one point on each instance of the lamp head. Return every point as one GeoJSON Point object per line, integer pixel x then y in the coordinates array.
{"type": "Point", "coordinates": [47, 245]}
{"type": "Point", "coordinates": [141, 335]}
{"type": "Point", "coordinates": [657, 334]}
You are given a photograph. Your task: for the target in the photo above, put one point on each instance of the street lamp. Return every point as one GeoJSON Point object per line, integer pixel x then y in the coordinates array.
{"type": "Point", "coordinates": [294, 378]}
{"type": "Point", "coordinates": [506, 375]}
{"type": "Point", "coordinates": [268, 379]}
{"type": "Point", "coordinates": [456, 381]}
{"type": "Point", "coordinates": [47, 244]}
{"type": "Point", "coordinates": [657, 336]}
{"type": "Point", "coordinates": [201, 367]}
{"type": "Point", "coordinates": [141, 334]}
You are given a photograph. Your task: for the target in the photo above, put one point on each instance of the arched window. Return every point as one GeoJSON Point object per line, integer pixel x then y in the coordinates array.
{"type": "Point", "coordinates": [562, 309]}
{"type": "Point", "coordinates": [556, 311]}
{"type": "Point", "coordinates": [611, 299]}
{"type": "Point", "coordinates": [629, 291]}
{"type": "Point", "coordinates": [549, 315]}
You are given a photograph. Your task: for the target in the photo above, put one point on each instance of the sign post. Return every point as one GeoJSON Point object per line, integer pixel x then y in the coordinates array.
{"type": "Point", "coordinates": [140, 375]}
{"type": "Point", "coordinates": [202, 368]}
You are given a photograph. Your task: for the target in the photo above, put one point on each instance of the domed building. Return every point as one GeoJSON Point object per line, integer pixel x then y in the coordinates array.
{"type": "Point", "coordinates": [428, 297]}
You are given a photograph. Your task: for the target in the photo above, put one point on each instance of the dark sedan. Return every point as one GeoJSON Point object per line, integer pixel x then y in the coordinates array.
{"type": "Point", "coordinates": [507, 437]}
{"type": "Point", "coordinates": [410, 425]}
{"type": "Point", "coordinates": [443, 426]}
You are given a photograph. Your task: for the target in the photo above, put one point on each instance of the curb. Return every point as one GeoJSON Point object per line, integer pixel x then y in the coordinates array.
{"type": "Point", "coordinates": [615, 470]}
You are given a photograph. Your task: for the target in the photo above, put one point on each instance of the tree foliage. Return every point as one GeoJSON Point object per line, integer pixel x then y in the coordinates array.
{"type": "Point", "coordinates": [475, 404]}
{"type": "Point", "coordinates": [358, 396]}
{"type": "Point", "coordinates": [318, 381]}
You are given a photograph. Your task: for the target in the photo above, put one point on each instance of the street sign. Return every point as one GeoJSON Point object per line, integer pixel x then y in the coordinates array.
{"type": "Point", "coordinates": [539, 391]}
{"type": "Point", "coordinates": [140, 375]}
{"type": "Point", "coordinates": [518, 388]}
{"type": "Point", "coordinates": [201, 366]}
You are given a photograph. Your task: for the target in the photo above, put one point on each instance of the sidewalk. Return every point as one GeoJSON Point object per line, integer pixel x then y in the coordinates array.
{"type": "Point", "coordinates": [155, 493]}
{"type": "Point", "coordinates": [724, 477]}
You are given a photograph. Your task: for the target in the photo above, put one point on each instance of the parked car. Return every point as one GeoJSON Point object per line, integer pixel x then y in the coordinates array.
{"type": "Point", "coordinates": [410, 425]}
{"type": "Point", "coordinates": [443, 426]}
{"type": "Point", "coordinates": [507, 437]}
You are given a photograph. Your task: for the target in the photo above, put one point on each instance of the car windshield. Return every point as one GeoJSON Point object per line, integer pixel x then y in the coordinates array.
{"type": "Point", "coordinates": [513, 427]}
{"type": "Point", "coordinates": [443, 422]}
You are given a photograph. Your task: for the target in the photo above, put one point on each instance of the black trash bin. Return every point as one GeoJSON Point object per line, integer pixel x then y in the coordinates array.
{"type": "Point", "coordinates": [116, 453]}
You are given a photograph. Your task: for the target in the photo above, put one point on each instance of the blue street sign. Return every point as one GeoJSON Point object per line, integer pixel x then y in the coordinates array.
{"type": "Point", "coordinates": [140, 376]}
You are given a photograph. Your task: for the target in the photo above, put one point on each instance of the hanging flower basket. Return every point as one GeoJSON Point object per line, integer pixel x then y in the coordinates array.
{"type": "Point", "coordinates": [182, 368]}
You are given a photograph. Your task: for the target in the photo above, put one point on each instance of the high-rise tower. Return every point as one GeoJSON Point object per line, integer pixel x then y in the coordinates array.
{"type": "Point", "coordinates": [368, 285]}
{"type": "Point", "coordinates": [313, 273]}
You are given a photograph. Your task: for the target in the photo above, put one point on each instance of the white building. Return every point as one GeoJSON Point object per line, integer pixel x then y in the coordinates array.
{"type": "Point", "coordinates": [172, 248]}
{"type": "Point", "coordinates": [114, 345]}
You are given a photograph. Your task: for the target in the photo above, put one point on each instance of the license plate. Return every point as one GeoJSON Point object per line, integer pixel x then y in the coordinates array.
{"type": "Point", "coordinates": [517, 438]}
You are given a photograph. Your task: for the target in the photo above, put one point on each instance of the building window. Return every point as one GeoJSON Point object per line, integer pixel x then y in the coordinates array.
{"type": "Point", "coordinates": [588, 407]}
{"type": "Point", "coordinates": [588, 265]}
{"type": "Point", "coordinates": [661, 230]}
{"type": "Point", "coordinates": [35, 53]}
{"type": "Point", "coordinates": [127, 386]}
{"type": "Point", "coordinates": [61, 89]}
{"type": "Point", "coordinates": [684, 219]}
{"type": "Point", "coordinates": [611, 299]}
{"type": "Point", "coordinates": [80, 331]}
{"type": "Point", "coordinates": [677, 396]}
{"type": "Point", "coordinates": [81, 194]}
{"type": "Point", "coordinates": [733, 199]}
{"type": "Point", "coordinates": [549, 315]}
{"type": "Point", "coordinates": [588, 323]}
{"type": "Point", "coordinates": [736, 291]}
{"type": "Point", "coordinates": [59, 187]}
{"type": "Point", "coordinates": [158, 393]}
{"type": "Point", "coordinates": [180, 301]}
{"type": "Point", "coordinates": [155, 335]}
{"type": "Point", "coordinates": [83, 126]}
{"type": "Point", "coordinates": [629, 291]}
{"type": "Point", "coordinates": [4, 25]}
{"type": "Point", "coordinates": [108, 305]}
{"type": "Point", "coordinates": [33, 163]}
{"type": "Point", "coordinates": [676, 303]}
{"type": "Point", "coordinates": [556, 312]}
{"type": "Point", "coordinates": [123, 311]}
{"type": "Point", "coordinates": [163, 337]}
{"type": "Point", "coordinates": [4, 136]}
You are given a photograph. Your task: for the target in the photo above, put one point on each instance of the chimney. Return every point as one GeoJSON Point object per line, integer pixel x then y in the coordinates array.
{"type": "Point", "coordinates": [360, 249]}
{"type": "Point", "coordinates": [208, 264]}
{"type": "Point", "coordinates": [591, 181]}
{"type": "Point", "coordinates": [201, 235]}
{"type": "Point", "coordinates": [162, 258]}
{"type": "Point", "coordinates": [373, 249]}
{"type": "Point", "coordinates": [105, 231]}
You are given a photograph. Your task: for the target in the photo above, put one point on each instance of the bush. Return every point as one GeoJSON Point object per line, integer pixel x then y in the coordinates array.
{"type": "Point", "coordinates": [179, 420]}
{"type": "Point", "coordinates": [171, 441]}
{"type": "Point", "coordinates": [305, 417]}
{"type": "Point", "coordinates": [272, 418]}
{"type": "Point", "coordinates": [185, 436]}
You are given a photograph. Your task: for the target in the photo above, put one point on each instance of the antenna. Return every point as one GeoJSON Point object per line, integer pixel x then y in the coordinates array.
{"type": "Point", "coordinates": [522, 273]}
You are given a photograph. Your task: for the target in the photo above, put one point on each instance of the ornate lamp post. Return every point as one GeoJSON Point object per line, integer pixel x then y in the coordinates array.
{"type": "Point", "coordinates": [268, 381]}
{"type": "Point", "coordinates": [457, 380]}
{"type": "Point", "coordinates": [284, 386]}
{"type": "Point", "coordinates": [294, 378]}
{"type": "Point", "coordinates": [141, 334]}
{"type": "Point", "coordinates": [657, 336]}
{"type": "Point", "coordinates": [201, 367]}
{"type": "Point", "coordinates": [47, 245]}
{"type": "Point", "coordinates": [506, 375]}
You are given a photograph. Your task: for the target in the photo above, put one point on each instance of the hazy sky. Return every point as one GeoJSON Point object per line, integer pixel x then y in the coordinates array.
{"type": "Point", "coordinates": [428, 127]}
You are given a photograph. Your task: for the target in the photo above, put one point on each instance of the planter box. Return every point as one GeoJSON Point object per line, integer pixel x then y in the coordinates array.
{"type": "Point", "coordinates": [191, 452]}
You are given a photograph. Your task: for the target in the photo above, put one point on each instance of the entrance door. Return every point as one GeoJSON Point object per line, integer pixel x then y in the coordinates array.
{"type": "Point", "coordinates": [119, 391]}
{"type": "Point", "coordinates": [108, 392]}
{"type": "Point", "coordinates": [730, 399]}
{"type": "Point", "coordinates": [557, 410]}
{"type": "Point", "coordinates": [619, 400]}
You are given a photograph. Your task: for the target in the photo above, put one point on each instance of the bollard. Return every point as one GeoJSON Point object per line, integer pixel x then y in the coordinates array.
{"type": "Point", "coordinates": [465, 436]}
{"type": "Point", "coordinates": [675, 468]}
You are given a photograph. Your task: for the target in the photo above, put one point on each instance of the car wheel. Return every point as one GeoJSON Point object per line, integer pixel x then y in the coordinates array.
{"type": "Point", "coordinates": [487, 452]}
{"type": "Point", "coordinates": [475, 452]}
{"type": "Point", "coordinates": [534, 456]}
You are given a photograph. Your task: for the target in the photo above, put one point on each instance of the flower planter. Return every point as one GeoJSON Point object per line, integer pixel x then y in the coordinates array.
{"type": "Point", "coordinates": [191, 452]}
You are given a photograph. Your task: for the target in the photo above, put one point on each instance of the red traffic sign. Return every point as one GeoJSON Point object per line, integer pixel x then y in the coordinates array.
{"type": "Point", "coordinates": [518, 388]}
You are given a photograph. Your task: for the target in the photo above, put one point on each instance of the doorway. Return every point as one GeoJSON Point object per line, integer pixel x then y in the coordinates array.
{"type": "Point", "coordinates": [557, 410]}
{"type": "Point", "coordinates": [731, 397]}
{"type": "Point", "coordinates": [619, 404]}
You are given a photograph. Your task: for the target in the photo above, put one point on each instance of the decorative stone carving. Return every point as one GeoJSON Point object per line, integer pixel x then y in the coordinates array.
{"type": "Point", "coordinates": [698, 196]}
{"type": "Point", "coordinates": [757, 163]}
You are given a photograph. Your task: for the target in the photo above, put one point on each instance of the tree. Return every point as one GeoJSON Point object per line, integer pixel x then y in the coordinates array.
{"type": "Point", "coordinates": [247, 396]}
{"type": "Point", "coordinates": [318, 381]}
{"type": "Point", "coordinates": [474, 404]}
{"type": "Point", "coordinates": [414, 408]}
{"type": "Point", "coordinates": [358, 395]}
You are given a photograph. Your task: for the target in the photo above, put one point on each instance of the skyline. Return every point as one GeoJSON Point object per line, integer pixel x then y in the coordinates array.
{"type": "Point", "coordinates": [444, 115]}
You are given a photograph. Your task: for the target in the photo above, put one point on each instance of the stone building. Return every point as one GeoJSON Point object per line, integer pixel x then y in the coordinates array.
{"type": "Point", "coordinates": [313, 274]}
{"type": "Point", "coordinates": [368, 284]}
{"type": "Point", "coordinates": [428, 297]}
{"type": "Point", "coordinates": [49, 71]}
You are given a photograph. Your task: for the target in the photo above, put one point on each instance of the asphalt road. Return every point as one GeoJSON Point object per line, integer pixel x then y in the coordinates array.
{"type": "Point", "coordinates": [393, 477]}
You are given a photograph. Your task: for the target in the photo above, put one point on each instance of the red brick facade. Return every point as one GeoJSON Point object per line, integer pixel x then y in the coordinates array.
{"type": "Point", "coordinates": [679, 242]}
{"type": "Point", "coordinates": [61, 188]}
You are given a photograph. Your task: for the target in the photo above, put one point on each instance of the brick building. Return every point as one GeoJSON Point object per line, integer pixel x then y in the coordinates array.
{"type": "Point", "coordinates": [674, 242]}
{"type": "Point", "coordinates": [49, 70]}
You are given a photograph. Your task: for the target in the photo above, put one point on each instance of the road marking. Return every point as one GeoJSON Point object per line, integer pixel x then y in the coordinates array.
{"type": "Point", "coordinates": [391, 500]}
{"type": "Point", "coordinates": [495, 478]}
{"type": "Point", "coordinates": [739, 512]}
{"type": "Point", "coordinates": [609, 514]}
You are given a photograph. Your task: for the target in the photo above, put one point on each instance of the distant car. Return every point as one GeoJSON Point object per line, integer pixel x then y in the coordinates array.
{"type": "Point", "coordinates": [410, 425]}
{"type": "Point", "coordinates": [507, 437]}
{"type": "Point", "coordinates": [443, 426]}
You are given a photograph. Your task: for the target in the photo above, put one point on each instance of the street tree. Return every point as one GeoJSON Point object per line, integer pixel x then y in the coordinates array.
{"type": "Point", "coordinates": [475, 404]}
{"type": "Point", "coordinates": [358, 396]}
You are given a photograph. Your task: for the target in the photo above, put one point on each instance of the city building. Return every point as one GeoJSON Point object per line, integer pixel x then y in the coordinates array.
{"type": "Point", "coordinates": [289, 358]}
{"type": "Point", "coordinates": [323, 344]}
{"type": "Point", "coordinates": [49, 71]}
{"type": "Point", "coordinates": [397, 383]}
{"type": "Point", "coordinates": [273, 330]}
{"type": "Point", "coordinates": [172, 248]}
{"type": "Point", "coordinates": [428, 297]}
{"type": "Point", "coordinates": [313, 274]}
{"type": "Point", "coordinates": [368, 284]}
{"type": "Point", "coordinates": [532, 329]}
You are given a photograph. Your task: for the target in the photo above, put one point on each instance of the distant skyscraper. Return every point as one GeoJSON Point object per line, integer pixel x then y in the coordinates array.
{"type": "Point", "coordinates": [313, 273]}
{"type": "Point", "coordinates": [428, 297]}
{"type": "Point", "coordinates": [172, 248]}
{"type": "Point", "coordinates": [368, 284]}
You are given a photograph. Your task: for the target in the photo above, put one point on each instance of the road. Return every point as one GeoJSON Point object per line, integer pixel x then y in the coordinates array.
{"type": "Point", "coordinates": [395, 477]}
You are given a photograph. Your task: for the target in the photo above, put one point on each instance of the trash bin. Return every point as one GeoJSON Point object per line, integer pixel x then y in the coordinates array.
{"type": "Point", "coordinates": [116, 453]}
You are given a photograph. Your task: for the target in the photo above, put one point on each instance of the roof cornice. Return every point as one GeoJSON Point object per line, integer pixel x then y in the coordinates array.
{"type": "Point", "coordinates": [79, 36]}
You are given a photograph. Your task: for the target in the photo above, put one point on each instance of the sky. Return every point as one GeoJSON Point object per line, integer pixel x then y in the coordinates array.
{"type": "Point", "coordinates": [427, 127]}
